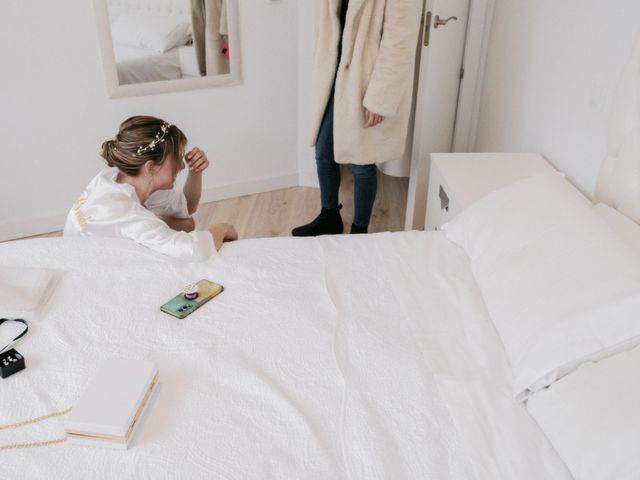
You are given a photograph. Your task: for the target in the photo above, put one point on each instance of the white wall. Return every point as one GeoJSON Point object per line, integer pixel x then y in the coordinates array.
{"type": "Point", "coordinates": [551, 75]}
{"type": "Point", "coordinates": [55, 112]}
{"type": "Point", "coordinates": [307, 24]}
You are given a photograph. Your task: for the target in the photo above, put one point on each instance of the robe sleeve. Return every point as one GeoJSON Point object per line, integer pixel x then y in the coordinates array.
{"type": "Point", "coordinates": [145, 228]}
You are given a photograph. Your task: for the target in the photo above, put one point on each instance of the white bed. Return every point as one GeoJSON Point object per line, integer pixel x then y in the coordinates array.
{"type": "Point", "coordinates": [385, 356]}
{"type": "Point", "coordinates": [295, 371]}
{"type": "Point", "coordinates": [136, 65]}
{"type": "Point", "coordinates": [388, 356]}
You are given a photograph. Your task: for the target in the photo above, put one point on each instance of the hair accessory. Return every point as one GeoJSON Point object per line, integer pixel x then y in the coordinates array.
{"type": "Point", "coordinates": [190, 291]}
{"type": "Point", "coordinates": [156, 141]}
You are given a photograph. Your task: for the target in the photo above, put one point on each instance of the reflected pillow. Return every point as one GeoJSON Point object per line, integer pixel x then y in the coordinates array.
{"type": "Point", "coordinates": [151, 32]}
{"type": "Point", "coordinates": [561, 287]}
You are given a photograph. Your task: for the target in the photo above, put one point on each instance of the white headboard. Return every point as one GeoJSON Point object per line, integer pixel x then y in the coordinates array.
{"type": "Point", "coordinates": [619, 179]}
{"type": "Point", "coordinates": [178, 8]}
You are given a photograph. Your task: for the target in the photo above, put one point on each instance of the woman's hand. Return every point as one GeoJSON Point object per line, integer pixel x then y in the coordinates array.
{"type": "Point", "coordinates": [196, 160]}
{"type": "Point", "coordinates": [372, 119]}
{"type": "Point", "coordinates": [223, 232]}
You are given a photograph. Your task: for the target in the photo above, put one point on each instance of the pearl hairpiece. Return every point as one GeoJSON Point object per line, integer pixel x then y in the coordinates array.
{"type": "Point", "coordinates": [158, 140]}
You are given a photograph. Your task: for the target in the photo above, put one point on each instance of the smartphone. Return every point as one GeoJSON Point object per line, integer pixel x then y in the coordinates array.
{"type": "Point", "coordinates": [180, 307]}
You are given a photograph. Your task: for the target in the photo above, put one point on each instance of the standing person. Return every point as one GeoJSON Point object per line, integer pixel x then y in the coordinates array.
{"type": "Point", "coordinates": [362, 91]}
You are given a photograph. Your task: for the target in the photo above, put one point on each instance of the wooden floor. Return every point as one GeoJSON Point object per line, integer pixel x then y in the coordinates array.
{"type": "Point", "coordinates": [274, 214]}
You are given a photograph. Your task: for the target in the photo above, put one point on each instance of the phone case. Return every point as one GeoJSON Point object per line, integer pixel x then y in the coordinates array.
{"type": "Point", "coordinates": [180, 307]}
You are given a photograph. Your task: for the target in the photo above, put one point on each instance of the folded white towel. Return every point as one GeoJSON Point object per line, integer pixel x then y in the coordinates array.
{"type": "Point", "coordinates": [24, 291]}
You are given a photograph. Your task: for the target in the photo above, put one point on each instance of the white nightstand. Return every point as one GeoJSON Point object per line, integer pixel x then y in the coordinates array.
{"type": "Point", "coordinates": [456, 180]}
{"type": "Point", "coordinates": [188, 62]}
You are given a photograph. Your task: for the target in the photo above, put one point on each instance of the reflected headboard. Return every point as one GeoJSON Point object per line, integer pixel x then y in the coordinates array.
{"type": "Point", "coordinates": [618, 182]}
{"type": "Point", "coordinates": [179, 8]}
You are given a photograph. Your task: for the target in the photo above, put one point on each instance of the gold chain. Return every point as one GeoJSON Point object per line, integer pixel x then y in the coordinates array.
{"type": "Point", "coordinates": [34, 444]}
{"type": "Point", "coordinates": [34, 420]}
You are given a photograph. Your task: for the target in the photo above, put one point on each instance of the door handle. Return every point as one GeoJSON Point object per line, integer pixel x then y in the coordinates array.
{"type": "Point", "coordinates": [439, 21]}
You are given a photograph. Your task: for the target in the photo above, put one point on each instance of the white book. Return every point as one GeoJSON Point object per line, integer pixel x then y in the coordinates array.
{"type": "Point", "coordinates": [109, 411]}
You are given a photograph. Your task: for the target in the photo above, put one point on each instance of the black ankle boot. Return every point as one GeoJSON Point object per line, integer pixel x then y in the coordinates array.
{"type": "Point", "coordinates": [329, 222]}
{"type": "Point", "coordinates": [356, 229]}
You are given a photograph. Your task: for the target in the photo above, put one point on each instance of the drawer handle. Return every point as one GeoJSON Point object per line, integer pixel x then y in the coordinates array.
{"type": "Point", "coordinates": [444, 200]}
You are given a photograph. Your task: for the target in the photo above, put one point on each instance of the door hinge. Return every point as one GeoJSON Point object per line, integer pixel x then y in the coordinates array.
{"type": "Point", "coordinates": [461, 73]}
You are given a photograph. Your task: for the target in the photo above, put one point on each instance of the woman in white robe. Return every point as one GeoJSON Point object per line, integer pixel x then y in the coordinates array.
{"type": "Point", "coordinates": [135, 197]}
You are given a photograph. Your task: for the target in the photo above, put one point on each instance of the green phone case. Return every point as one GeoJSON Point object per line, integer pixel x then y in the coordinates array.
{"type": "Point", "coordinates": [180, 307]}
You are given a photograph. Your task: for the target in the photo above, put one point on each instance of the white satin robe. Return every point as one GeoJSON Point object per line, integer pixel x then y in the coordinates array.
{"type": "Point", "coordinates": [107, 208]}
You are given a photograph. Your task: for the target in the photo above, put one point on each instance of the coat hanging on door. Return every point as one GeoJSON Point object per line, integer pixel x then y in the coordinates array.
{"type": "Point", "coordinates": [376, 71]}
{"type": "Point", "coordinates": [209, 20]}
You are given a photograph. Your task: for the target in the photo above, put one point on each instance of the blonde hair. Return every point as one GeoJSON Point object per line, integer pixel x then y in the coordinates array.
{"type": "Point", "coordinates": [133, 147]}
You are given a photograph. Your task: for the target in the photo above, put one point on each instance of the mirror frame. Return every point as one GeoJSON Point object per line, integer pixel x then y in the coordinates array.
{"type": "Point", "coordinates": [116, 90]}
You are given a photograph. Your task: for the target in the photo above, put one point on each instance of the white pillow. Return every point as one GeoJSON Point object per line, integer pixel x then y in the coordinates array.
{"type": "Point", "coordinates": [592, 418]}
{"type": "Point", "coordinates": [560, 286]}
{"type": "Point", "coordinates": [628, 230]}
{"type": "Point", "coordinates": [151, 32]}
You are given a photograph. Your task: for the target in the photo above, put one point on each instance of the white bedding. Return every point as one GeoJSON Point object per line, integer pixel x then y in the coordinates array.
{"type": "Point", "coordinates": [338, 357]}
{"type": "Point", "coordinates": [137, 65]}
{"type": "Point", "coordinates": [592, 418]}
{"type": "Point", "coordinates": [561, 287]}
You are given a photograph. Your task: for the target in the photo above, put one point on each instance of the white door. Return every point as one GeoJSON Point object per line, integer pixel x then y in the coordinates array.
{"type": "Point", "coordinates": [442, 42]}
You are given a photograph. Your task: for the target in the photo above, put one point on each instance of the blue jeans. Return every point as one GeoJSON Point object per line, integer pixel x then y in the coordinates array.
{"type": "Point", "coordinates": [364, 176]}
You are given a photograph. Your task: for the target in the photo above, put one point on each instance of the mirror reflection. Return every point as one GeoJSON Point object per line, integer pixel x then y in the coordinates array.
{"type": "Point", "coordinates": [156, 40]}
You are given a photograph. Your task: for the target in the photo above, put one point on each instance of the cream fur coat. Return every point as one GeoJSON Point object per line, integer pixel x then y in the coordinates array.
{"type": "Point", "coordinates": [376, 71]}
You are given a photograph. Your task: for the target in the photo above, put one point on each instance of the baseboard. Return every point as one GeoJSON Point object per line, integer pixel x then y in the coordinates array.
{"type": "Point", "coordinates": [308, 179]}
{"type": "Point", "coordinates": [37, 226]}
{"type": "Point", "coordinates": [250, 187]}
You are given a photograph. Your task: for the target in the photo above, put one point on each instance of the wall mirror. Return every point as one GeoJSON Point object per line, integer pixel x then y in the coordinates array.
{"type": "Point", "coordinates": [159, 46]}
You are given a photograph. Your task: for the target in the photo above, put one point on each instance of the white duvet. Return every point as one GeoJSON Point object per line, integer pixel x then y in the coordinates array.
{"type": "Point", "coordinates": [137, 65]}
{"type": "Point", "coordinates": [346, 357]}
